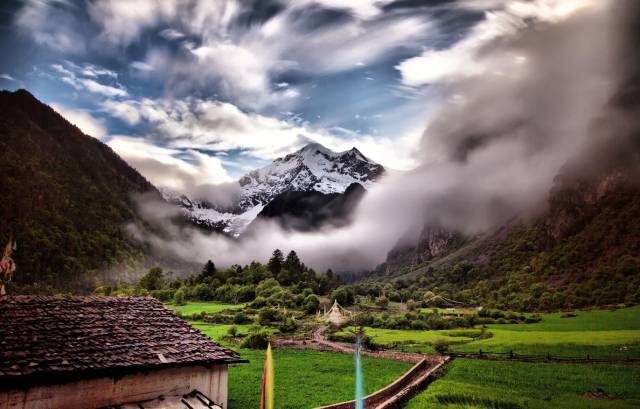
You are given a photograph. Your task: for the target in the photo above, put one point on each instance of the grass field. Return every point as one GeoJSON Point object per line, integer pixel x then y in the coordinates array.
{"type": "Point", "coordinates": [389, 336]}
{"type": "Point", "coordinates": [597, 333]}
{"type": "Point", "coordinates": [197, 307]}
{"type": "Point", "coordinates": [304, 379]}
{"type": "Point", "coordinates": [477, 384]}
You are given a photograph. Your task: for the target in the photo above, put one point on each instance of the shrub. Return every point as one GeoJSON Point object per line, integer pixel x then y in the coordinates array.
{"type": "Point", "coordinates": [311, 303]}
{"type": "Point", "coordinates": [162, 295]}
{"type": "Point", "coordinates": [441, 346]}
{"type": "Point", "coordinates": [232, 331]}
{"type": "Point", "coordinates": [382, 302]}
{"type": "Point", "coordinates": [256, 340]}
{"type": "Point", "coordinates": [241, 318]}
{"type": "Point", "coordinates": [259, 302]}
{"type": "Point", "coordinates": [268, 315]}
{"type": "Point", "coordinates": [288, 325]}
{"type": "Point", "coordinates": [178, 297]}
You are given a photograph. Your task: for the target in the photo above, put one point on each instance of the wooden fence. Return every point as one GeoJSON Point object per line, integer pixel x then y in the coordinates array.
{"type": "Point", "coordinates": [513, 356]}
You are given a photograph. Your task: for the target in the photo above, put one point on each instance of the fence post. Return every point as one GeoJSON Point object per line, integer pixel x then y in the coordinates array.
{"type": "Point", "coordinates": [511, 353]}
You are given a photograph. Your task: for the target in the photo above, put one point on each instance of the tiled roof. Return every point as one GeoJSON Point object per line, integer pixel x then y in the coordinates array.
{"type": "Point", "coordinates": [43, 336]}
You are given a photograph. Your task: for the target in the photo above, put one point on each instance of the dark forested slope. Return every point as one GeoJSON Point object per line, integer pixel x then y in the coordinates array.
{"type": "Point", "coordinates": [65, 198]}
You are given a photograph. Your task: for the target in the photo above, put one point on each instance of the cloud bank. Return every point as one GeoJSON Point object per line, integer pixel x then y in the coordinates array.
{"type": "Point", "coordinates": [490, 151]}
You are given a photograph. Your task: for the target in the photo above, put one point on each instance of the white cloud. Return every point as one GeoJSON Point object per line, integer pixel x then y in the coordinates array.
{"type": "Point", "coordinates": [125, 110]}
{"type": "Point", "coordinates": [7, 77]}
{"type": "Point", "coordinates": [142, 66]}
{"type": "Point", "coordinates": [463, 59]}
{"type": "Point", "coordinates": [106, 90]}
{"type": "Point", "coordinates": [122, 21]}
{"type": "Point", "coordinates": [70, 76]}
{"type": "Point", "coordinates": [193, 123]}
{"type": "Point", "coordinates": [51, 24]}
{"type": "Point", "coordinates": [171, 34]}
{"type": "Point", "coordinates": [240, 62]}
{"type": "Point", "coordinates": [176, 169]}
{"type": "Point", "coordinates": [83, 120]}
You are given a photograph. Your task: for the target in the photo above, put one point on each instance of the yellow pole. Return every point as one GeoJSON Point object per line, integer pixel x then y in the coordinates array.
{"type": "Point", "coordinates": [270, 378]}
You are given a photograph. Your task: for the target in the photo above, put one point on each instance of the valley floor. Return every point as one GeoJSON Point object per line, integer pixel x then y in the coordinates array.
{"type": "Point", "coordinates": [480, 384]}
{"type": "Point", "coordinates": [306, 379]}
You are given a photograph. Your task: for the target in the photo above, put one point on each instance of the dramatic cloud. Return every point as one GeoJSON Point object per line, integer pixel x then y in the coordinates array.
{"type": "Point", "coordinates": [83, 120]}
{"type": "Point", "coordinates": [490, 151]}
{"type": "Point", "coordinates": [193, 123]}
{"type": "Point", "coordinates": [465, 58]}
{"type": "Point", "coordinates": [213, 48]}
{"type": "Point", "coordinates": [52, 24]}
{"type": "Point", "coordinates": [184, 171]}
{"type": "Point", "coordinates": [76, 77]}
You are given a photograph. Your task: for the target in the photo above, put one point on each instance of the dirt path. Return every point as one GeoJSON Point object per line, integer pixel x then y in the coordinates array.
{"type": "Point", "coordinates": [318, 342]}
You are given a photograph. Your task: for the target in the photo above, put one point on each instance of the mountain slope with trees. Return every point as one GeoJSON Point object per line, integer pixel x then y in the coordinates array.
{"type": "Point", "coordinates": [66, 199]}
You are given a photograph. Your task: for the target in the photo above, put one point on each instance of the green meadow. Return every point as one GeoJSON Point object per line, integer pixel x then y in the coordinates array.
{"type": "Point", "coordinates": [399, 336]}
{"type": "Point", "coordinates": [197, 307]}
{"type": "Point", "coordinates": [593, 333]}
{"type": "Point", "coordinates": [479, 384]}
{"type": "Point", "coordinates": [303, 378]}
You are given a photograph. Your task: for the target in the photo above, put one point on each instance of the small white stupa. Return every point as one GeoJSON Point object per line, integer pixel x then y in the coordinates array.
{"type": "Point", "coordinates": [337, 315]}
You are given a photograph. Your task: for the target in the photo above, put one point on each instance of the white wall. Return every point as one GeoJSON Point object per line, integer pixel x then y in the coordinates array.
{"type": "Point", "coordinates": [99, 392]}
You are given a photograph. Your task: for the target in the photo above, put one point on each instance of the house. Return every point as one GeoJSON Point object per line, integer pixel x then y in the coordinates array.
{"type": "Point", "coordinates": [95, 352]}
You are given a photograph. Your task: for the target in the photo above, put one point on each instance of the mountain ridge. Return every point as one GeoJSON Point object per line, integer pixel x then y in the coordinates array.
{"type": "Point", "coordinates": [66, 196]}
{"type": "Point", "coordinates": [313, 167]}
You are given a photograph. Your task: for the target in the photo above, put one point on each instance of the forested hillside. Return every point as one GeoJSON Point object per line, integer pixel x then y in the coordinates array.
{"type": "Point", "coordinates": [65, 199]}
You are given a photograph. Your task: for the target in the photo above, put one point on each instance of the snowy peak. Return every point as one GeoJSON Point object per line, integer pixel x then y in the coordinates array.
{"type": "Point", "coordinates": [311, 168]}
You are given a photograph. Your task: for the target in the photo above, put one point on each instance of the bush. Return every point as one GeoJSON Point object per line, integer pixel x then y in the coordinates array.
{"type": "Point", "coordinates": [232, 331]}
{"type": "Point", "coordinates": [241, 318]}
{"type": "Point", "coordinates": [178, 297]}
{"type": "Point", "coordinates": [202, 292]}
{"type": "Point", "coordinates": [162, 295]}
{"type": "Point", "coordinates": [259, 302]}
{"type": "Point", "coordinates": [441, 346]}
{"type": "Point", "coordinates": [289, 325]}
{"type": "Point", "coordinates": [256, 340]}
{"type": "Point", "coordinates": [268, 315]}
{"type": "Point", "coordinates": [382, 302]}
{"type": "Point", "coordinates": [311, 304]}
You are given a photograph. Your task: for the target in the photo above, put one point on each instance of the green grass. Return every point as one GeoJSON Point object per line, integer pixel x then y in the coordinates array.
{"type": "Point", "coordinates": [597, 333]}
{"type": "Point", "coordinates": [513, 385]}
{"type": "Point", "coordinates": [597, 344]}
{"type": "Point", "coordinates": [197, 307]}
{"type": "Point", "coordinates": [304, 379]}
{"type": "Point", "coordinates": [408, 336]}
{"type": "Point", "coordinates": [593, 320]}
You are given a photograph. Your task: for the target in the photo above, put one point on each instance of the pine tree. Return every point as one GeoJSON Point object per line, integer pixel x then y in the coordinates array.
{"type": "Point", "coordinates": [292, 263]}
{"type": "Point", "coordinates": [275, 262]}
{"type": "Point", "coordinates": [208, 271]}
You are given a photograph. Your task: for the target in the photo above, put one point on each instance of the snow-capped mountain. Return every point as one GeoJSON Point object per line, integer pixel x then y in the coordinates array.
{"type": "Point", "coordinates": [314, 167]}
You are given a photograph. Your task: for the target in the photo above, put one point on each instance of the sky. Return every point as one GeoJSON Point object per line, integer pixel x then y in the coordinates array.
{"type": "Point", "coordinates": [209, 90]}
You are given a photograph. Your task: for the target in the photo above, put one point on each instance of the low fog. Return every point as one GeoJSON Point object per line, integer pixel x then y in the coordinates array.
{"type": "Point", "coordinates": [489, 151]}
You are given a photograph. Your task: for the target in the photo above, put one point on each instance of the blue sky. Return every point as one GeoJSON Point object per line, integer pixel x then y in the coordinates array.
{"type": "Point", "coordinates": [193, 92]}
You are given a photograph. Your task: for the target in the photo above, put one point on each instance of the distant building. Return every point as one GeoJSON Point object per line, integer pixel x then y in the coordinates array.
{"type": "Point", "coordinates": [94, 352]}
